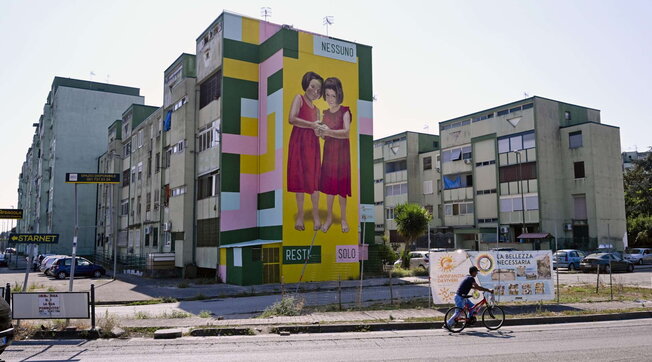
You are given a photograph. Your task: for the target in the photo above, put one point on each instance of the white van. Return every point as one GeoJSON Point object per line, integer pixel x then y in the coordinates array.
{"type": "Point", "coordinates": [639, 255]}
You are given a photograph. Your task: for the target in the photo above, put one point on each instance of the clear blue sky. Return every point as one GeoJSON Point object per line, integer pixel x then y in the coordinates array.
{"type": "Point", "coordinates": [432, 60]}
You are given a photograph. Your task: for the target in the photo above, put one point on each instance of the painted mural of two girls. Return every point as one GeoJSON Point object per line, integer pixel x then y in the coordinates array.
{"type": "Point", "coordinates": [307, 171]}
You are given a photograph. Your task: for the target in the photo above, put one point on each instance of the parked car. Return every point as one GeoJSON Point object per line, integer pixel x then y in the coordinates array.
{"type": "Point", "coordinates": [567, 258]}
{"type": "Point", "coordinates": [6, 330]}
{"type": "Point", "coordinates": [10, 251]}
{"type": "Point", "coordinates": [47, 262]}
{"type": "Point", "coordinates": [3, 261]}
{"type": "Point", "coordinates": [503, 249]}
{"type": "Point", "coordinates": [61, 268]}
{"type": "Point", "coordinates": [418, 259]}
{"type": "Point", "coordinates": [637, 255]}
{"type": "Point", "coordinates": [607, 262]}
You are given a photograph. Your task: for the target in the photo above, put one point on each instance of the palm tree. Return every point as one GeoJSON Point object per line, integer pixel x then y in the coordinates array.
{"type": "Point", "coordinates": [411, 222]}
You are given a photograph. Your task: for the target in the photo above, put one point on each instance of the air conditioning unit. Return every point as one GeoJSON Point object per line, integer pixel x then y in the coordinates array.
{"type": "Point", "coordinates": [568, 227]}
{"type": "Point", "coordinates": [467, 161]}
{"type": "Point", "coordinates": [504, 229]}
{"type": "Point", "coordinates": [167, 226]}
{"type": "Point", "coordinates": [148, 230]}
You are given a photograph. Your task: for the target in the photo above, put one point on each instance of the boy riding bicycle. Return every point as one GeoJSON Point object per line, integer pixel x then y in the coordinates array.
{"type": "Point", "coordinates": [462, 295]}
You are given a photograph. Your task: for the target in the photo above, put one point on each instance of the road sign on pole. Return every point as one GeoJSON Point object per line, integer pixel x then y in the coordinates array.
{"type": "Point", "coordinates": [93, 178]}
{"type": "Point", "coordinates": [11, 213]}
{"type": "Point", "coordinates": [33, 238]}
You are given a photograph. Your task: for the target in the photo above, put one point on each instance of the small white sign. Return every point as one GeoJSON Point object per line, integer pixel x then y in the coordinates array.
{"type": "Point", "coordinates": [40, 305]}
{"type": "Point", "coordinates": [336, 49]}
{"type": "Point", "coordinates": [73, 177]}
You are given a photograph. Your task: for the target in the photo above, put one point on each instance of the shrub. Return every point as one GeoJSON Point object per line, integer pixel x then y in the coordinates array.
{"type": "Point", "coordinates": [288, 306]}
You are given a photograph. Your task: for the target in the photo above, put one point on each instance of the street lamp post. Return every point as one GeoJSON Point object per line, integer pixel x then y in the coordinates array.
{"type": "Point", "coordinates": [520, 187]}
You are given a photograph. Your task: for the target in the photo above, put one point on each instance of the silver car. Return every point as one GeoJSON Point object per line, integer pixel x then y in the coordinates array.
{"type": "Point", "coordinates": [639, 255]}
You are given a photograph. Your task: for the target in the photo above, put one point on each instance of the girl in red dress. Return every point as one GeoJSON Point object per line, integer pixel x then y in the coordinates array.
{"type": "Point", "coordinates": [304, 156]}
{"type": "Point", "coordinates": [335, 176]}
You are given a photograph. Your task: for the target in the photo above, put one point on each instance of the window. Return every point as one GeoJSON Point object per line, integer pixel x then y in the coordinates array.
{"type": "Point", "coordinates": [148, 201]}
{"type": "Point", "coordinates": [149, 166]}
{"type": "Point", "coordinates": [126, 149]}
{"type": "Point", "coordinates": [157, 162]}
{"type": "Point", "coordinates": [208, 231]}
{"type": "Point", "coordinates": [523, 171]}
{"type": "Point", "coordinates": [579, 169]}
{"type": "Point", "coordinates": [575, 139]}
{"type": "Point", "coordinates": [140, 138]}
{"type": "Point", "coordinates": [138, 206]}
{"type": "Point", "coordinates": [210, 89]}
{"type": "Point", "coordinates": [209, 136]}
{"type": "Point", "coordinates": [456, 154]}
{"type": "Point", "coordinates": [389, 213]}
{"type": "Point", "coordinates": [396, 189]}
{"type": "Point", "coordinates": [579, 206]}
{"type": "Point", "coordinates": [124, 207]}
{"type": "Point", "coordinates": [456, 181]}
{"type": "Point", "coordinates": [133, 174]}
{"type": "Point", "coordinates": [567, 115]}
{"type": "Point", "coordinates": [157, 195]}
{"type": "Point", "coordinates": [178, 148]}
{"type": "Point", "coordinates": [207, 186]}
{"type": "Point", "coordinates": [154, 236]}
{"type": "Point", "coordinates": [140, 171]}
{"type": "Point", "coordinates": [178, 191]}
{"type": "Point", "coordinates": [427, 163]}
{"type": "Point", "coordinates": [125, 178]}
{"type": "Point", "coordinates": [464, 208]}
{"type": "Point", "coordinates": [396, 166]}
{"type": "Point", "coordinates": [167, 155]}
{"type": "Point", "coordinates": [531, 203]}
{"type": "Point", "coordinates": [518, 142]}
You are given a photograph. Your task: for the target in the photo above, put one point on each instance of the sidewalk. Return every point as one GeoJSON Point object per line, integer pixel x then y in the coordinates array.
{"type": "Point", "coordinates": [375, 316]}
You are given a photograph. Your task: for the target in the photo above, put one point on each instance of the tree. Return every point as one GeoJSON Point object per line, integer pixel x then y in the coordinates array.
{"type": "Point", "coordinates": [638, 202]}
{"type": "Point", "coordinates": [411, 222]}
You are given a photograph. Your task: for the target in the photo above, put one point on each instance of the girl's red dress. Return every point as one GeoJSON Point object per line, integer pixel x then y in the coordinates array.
{"type": "Point", "coordinates": [304, 156]}
{"type": "Point", "coordinates": [336, 165]}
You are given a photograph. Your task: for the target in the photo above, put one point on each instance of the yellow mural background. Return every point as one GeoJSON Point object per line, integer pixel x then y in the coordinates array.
{"type": "Point", "coordinates": [328, 269]}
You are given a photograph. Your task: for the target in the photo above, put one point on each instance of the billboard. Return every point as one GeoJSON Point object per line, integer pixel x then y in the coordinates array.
{"type": "Point", "coordinates": [514, 275]}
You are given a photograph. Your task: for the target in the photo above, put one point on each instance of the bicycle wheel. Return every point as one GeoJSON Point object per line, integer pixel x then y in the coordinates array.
{"type": "Point", "coordinates": [460, 321]}
{"type": "Point", "coordinates": [493, 317]}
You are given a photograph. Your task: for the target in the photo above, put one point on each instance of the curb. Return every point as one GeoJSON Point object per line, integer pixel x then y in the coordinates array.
{"type": "Point", "coordinates": [170, 333]}
{"type": "Point", "coordinates": [376, 327]}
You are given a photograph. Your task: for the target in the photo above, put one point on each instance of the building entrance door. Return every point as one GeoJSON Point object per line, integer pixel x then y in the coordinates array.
{"type": "Point", "coordinates": [271, 265]}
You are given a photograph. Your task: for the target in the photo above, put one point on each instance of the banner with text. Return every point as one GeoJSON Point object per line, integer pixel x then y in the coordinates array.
{"type": "Point", "coordinates": [514, 275]}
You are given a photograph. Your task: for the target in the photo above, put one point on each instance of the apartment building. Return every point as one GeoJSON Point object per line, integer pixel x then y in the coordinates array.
{"type": "Point", "coordinates": [75, 116]}
{"type": "Point", "coordinates": [127, 213]}
{"type": "Point", "coordinates": [520, 173]}
{"type": "Point", "coordinates": [406, 169]}
{"type": "Point", "coordinates": [629, 157]}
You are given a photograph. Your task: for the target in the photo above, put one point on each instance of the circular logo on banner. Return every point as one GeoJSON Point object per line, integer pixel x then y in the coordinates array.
{"type": "Point", "coordinates": [446, 263]}
{"type": "Point", "coordinates": [485, 263]}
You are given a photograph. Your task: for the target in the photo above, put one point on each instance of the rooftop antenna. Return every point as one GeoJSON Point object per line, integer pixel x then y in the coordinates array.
{"type": "Point", "coordinates": [328, 20]}
{"type": "Point", "coordinates": [426, 127]}
{"type": "Point", "coordinates": [266, 12]}
{"type": "Point", "coordinates": [92, 75]}
{"type": "Point", "coordinates": [525, 95]}
{"type": "Point", "coordinates": [107, 78]}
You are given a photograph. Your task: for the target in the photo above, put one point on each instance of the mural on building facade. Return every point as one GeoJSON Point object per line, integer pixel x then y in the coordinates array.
{"type": "Point", "coordinates": [297, 123]}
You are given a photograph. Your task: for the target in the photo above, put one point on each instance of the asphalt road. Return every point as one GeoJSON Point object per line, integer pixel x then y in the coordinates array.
{"type": "Point", "coordinates": [619, 340]}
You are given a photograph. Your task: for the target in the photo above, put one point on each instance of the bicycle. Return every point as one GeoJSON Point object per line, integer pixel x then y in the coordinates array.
{"type": "Point", "coordinates": [493, 316]}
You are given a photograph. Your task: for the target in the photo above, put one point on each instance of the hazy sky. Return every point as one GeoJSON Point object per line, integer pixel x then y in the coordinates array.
{"type": "Point", "coordinates": [432, 60]}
